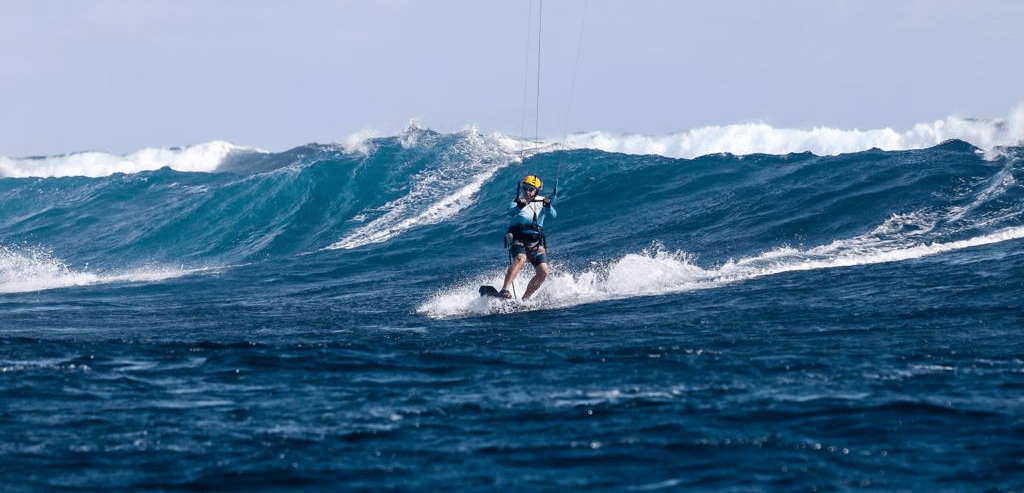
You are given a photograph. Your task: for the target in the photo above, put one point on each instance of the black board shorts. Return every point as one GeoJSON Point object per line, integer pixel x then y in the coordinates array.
{"type": "Point", "coordinates": [535, 258]}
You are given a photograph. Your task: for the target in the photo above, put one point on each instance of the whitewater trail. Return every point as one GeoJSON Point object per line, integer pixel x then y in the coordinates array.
{"type": "Point", "coordinates": [657, 272]}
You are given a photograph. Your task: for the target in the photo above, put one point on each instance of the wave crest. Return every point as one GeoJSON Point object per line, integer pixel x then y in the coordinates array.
{"type": "Point", "coordinates": [200, 157]}
{"type": "Point", "coordinates": [761, 138]}
{"type": "Point", "coordinates": [738, 139]}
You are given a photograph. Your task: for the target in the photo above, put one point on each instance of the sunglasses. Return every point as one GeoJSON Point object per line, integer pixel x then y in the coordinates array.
{"type": "Point", "coordinates": [530, 189]}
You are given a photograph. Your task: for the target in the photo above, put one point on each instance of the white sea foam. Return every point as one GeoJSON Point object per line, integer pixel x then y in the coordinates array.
{"type": "Point", "coordinates": [753, 138]}
{"type": "Point", "coordinates": [34, 269]}
{"type": "Point", "coordinates": [987, 134]}
{"type": "Point", "coordinates": [201, 158]}
{"type": "Point", "coordinates": [659, 272]}
{"type": "Point", "coordinates": [740, 139]}
{"type": "Point", "coordinates": [359, 142]}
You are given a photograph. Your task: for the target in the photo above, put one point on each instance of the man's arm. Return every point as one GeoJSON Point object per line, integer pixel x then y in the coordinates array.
{"type": "Point", "coordinates": [550, 207]}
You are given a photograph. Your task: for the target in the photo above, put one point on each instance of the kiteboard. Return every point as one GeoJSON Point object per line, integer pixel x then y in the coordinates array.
{"type": "Point", "coordinates": [490, 291]}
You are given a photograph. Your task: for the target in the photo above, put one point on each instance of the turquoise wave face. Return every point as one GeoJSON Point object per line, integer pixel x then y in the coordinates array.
{"type": "Point", "coordinates": [418, 195]}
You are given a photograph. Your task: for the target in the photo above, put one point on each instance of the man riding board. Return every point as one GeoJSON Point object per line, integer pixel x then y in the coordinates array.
{"type": "Point", "coordinates": [527, 236]}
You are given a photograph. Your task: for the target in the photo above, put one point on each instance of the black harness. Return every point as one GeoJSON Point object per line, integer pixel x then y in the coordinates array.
{"type": "Point", "coordinates": [530, 236]}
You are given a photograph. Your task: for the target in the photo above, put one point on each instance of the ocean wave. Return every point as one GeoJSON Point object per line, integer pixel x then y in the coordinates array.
{"type": "Point", "coordinates": [425, 190]}
{"type": "Point", "coordinates": [200, 157]}
{"type": "Point", "coordinates": [437, 193]}
{"type": "Point", "coordinates": [761, 138]}
{"type": "Point", "coordinates": [978, 210]}
{"type": "Point", "coordinates": [739, 139]}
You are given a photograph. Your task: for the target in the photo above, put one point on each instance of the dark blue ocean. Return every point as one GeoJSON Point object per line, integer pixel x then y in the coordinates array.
{"type": "Point", "coordinates": [308, 321]}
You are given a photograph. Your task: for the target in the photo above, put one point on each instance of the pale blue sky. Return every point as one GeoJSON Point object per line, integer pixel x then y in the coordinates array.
{"type": "Point", "coordinates": [118, 76]}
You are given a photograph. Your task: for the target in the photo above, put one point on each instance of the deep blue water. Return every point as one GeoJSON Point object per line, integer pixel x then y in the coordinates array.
{"type": "Point", "coordinates": [307, 321]}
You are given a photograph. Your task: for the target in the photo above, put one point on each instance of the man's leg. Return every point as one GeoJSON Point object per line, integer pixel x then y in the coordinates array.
{"type": "Point", "coordinates": [513, 270]}
{"type": "Point", "coordinates": [538, 279]}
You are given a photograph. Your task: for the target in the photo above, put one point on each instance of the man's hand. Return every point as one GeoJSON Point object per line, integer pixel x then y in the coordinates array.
{"type": "Point", "coordinates": [521, 202]}
{"type": "Point", "coordinates": [547, 201]}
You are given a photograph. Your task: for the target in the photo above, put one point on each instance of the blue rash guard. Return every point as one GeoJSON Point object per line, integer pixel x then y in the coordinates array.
{"type": "Point", "coordinates": [527, 228]}
{"type": "Point", "coordinates": [532, 212]}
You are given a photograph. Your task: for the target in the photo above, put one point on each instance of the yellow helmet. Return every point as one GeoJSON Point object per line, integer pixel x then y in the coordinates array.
{"type": "Point", "coordinates": [533, 181]}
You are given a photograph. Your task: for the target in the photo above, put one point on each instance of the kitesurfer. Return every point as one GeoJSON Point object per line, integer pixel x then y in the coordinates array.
{"type": "Point", "coordinates": [525, 238]}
